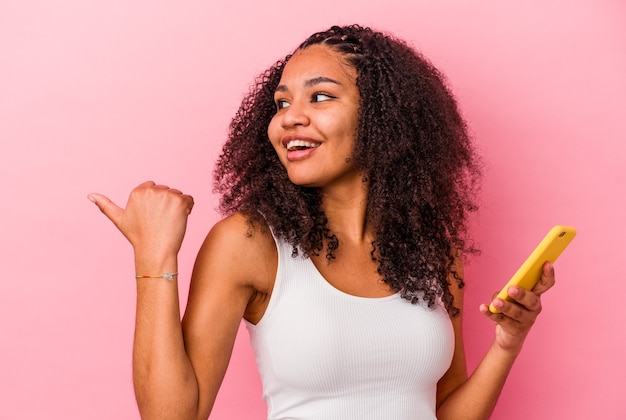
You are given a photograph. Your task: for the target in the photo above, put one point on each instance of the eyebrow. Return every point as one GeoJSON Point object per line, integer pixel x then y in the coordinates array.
{"type": "Point", "coordinates": [310, 82]}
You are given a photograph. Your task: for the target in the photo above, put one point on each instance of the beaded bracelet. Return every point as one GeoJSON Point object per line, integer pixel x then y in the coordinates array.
{"type": "Point", "coordinates": [166, 276]}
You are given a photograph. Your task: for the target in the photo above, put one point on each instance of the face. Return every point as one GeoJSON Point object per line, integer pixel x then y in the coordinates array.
{"type": "Point", "coordinates": [313, 131]}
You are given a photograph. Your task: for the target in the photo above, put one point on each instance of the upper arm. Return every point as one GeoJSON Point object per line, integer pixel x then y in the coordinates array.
{"type": "Point", "coordinates": [230, 263]}
{"type": "Point", "coordinates": [456, 375]}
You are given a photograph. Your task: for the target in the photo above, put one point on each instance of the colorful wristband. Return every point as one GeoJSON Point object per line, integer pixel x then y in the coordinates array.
{"type": "Point", "coordinates": [166, 276]}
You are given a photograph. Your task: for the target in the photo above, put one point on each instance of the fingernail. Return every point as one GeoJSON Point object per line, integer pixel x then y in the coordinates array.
{"type": "Point", "coordinates": [91, 198]}
{"type": "Point", "coordinates": [513, 291]}
{"type": "Point", "coordinates": [498, 303]}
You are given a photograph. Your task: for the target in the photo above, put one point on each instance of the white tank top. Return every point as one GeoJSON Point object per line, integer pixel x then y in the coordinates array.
{"type": "Point", "coordinates": [326, 355]}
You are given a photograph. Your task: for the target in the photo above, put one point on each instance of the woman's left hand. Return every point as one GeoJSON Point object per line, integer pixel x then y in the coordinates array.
{"type": "Point", "coordinates": [518, 315]}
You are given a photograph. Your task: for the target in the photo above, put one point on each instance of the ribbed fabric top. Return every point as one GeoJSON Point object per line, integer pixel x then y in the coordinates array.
{"type": "Point", "coordinates": [324, 354]}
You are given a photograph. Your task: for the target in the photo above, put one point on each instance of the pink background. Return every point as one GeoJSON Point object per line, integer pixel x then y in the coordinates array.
{"type": "Point", "coordinates": [98, 96]}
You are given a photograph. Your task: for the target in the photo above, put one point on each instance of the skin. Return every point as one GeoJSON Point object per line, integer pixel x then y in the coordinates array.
{"type": "Point", "coordinates": [179, 366]}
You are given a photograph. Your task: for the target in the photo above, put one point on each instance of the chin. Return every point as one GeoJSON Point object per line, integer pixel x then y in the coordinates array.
{"type": "Point", "coordinates": [303, 183]}
{"type": "Point", "coordinates": [303, 179]}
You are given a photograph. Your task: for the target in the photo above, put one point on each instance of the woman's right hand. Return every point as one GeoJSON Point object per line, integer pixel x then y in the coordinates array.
{"type": "Point", "coordinates": [154, 220]}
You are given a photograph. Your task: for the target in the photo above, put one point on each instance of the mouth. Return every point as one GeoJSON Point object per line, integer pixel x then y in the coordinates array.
{"type": "Point", "coordinates": [293, 145]}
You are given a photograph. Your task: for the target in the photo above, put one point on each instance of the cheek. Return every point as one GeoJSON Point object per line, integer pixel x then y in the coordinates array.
{"type": "Point", "coordinates": [345, 128]}
{"type": "Point", "coordinates": [341, 124]}
{"type": "Point", "coordinates": [273, 133]}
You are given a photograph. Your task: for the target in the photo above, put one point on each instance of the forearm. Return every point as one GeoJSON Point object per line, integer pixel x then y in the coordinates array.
{"type": "Point", "coordinates": [164, 379]}
{"type": "Point", "coordinates": [154, 222]}
{"type": "Point", "coordinates": [476, 398]}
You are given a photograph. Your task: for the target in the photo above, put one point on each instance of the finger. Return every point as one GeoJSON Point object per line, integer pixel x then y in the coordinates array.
{"type": "Point", "coordinates": [508, 319]}
{"type": "Point", "coordinates": [504, 308]}
{"type": "Point", "coordinates": [525, 298]}
{"type": "Point", "coordinates": [515, 311]}
{"type": "Point", "coordinates": [547, 279]}
{"type": "Point", "coordinates": [190, 203]}
{"type": "Point", "coordinates": [106, 206]}
{"type": "Point", "coordinates": [484, 309]}
{"type": "Point", "coordinates": [496, 318]}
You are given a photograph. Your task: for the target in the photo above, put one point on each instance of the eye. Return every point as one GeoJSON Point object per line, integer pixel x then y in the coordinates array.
{"type": "Point", "coordinates": [281, 103]}
{"type": "Point", "coordinates": [321, 97]}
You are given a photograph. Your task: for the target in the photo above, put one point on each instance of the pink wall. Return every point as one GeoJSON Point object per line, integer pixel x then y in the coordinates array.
{"type": "Point", "coordinates": [99, 96]}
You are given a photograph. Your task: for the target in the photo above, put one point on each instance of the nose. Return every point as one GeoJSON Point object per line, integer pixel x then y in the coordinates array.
{"type": "Point", "coordinates": [295, 115]}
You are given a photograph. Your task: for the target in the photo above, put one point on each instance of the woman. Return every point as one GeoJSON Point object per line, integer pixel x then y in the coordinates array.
{"type": "Point", "coordinates": [346, 180]}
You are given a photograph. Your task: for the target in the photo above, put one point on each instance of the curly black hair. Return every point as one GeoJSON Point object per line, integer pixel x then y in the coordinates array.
{"type": "Point", "coordinates": [411, 142]}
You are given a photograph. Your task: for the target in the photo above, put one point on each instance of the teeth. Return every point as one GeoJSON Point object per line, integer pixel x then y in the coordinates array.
{"type": "Point", "coordinates": [298, 144]}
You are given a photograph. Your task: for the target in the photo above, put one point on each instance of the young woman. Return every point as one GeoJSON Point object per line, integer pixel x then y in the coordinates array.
{"type": "Point", "coordinates": [346, 182]}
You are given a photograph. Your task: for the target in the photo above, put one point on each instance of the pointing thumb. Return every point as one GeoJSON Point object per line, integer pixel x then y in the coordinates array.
{"type": "Point", "coordinates": [106, 206]}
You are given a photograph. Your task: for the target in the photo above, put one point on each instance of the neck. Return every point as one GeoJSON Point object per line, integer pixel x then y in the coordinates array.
{"type": "Point", "coordinates": [346, 209]}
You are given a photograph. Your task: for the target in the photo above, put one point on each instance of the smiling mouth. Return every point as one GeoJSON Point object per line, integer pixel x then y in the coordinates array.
{"type": "Point", "coordinates": [294, 145]}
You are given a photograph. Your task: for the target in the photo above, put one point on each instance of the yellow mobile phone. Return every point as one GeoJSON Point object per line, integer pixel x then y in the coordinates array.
{"type": "Point", "coordinates": [549, 249]}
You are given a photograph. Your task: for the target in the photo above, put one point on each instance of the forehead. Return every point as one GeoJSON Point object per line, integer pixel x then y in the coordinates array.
{"type": "Point", "coordinates": [315, 61]}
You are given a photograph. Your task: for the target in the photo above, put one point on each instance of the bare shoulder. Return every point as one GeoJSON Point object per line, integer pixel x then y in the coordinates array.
{"type": "Point", "coordinates": [241, 253]}
{"type": "Point", "coordinates": [238, 228]}
{"type": "Point", "coordinates": [233, 274]}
